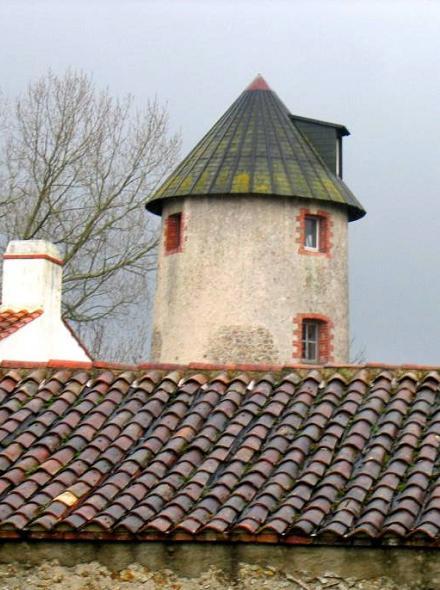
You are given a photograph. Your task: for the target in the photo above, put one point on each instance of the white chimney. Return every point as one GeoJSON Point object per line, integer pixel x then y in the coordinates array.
{"type": "Point", "coordinates": [32, 276]}
{"type": "Point", "coordinates": [32, 282]}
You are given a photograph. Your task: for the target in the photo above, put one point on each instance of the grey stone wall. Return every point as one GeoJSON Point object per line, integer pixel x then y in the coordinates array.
{"type": "Point", "coordinates": [404, 568]}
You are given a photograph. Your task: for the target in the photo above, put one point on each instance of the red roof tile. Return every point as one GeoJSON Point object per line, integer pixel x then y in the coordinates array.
{"type": "Point", "coordinates": [289, 456]}
{"type": "Point", "coordinates": [12, 320]}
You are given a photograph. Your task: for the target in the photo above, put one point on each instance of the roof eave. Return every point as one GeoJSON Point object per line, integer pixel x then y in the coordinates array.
{"type": "Point", "coordinates": [340, 129]}
{"type": "Point", "coordinates": [155, 205]}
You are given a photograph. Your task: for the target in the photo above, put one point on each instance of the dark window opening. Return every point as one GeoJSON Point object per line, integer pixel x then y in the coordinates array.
{"type": "Point", "coordinates": [173, 233]}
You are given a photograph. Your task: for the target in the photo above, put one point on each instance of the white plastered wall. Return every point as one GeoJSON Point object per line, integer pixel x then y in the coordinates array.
{"type": "Point", "coordinates": [32, 279]}
{"type": "Point", "coordinates": [42, 340]}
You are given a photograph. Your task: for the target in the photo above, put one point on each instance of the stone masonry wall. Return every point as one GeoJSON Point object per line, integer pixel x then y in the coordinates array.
{"type": "Point", "coordinates": [191, 566]}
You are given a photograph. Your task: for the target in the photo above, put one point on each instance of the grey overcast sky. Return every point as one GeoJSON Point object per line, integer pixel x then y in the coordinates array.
{"type": "Point", "coordinates": [373, 66]}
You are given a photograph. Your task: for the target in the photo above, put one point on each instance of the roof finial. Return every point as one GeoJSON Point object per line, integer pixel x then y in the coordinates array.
{"type": "Point", "coordinates": [258, 84]}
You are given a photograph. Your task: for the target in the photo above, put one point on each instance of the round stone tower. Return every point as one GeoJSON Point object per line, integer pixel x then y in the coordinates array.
{"type": "Point", "coordinates": [253, 253]}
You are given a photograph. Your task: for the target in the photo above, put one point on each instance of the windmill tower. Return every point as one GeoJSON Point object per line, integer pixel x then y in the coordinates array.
{"type": "Point", "coordinates": [253, 254]}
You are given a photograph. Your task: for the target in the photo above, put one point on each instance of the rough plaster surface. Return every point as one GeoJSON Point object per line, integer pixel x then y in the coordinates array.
{"type": "Point", "coordinates": [240, 270]}
{"type": "Point", "coordinates": [156, 344]}
{"type": "Point", "coordinates": [187, 566]}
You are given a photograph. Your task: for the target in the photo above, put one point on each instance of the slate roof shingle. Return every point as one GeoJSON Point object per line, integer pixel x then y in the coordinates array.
{"type": "Point", "coordinates": [256, 148]}
{"type": "Point", "coordinates": [293, 455]}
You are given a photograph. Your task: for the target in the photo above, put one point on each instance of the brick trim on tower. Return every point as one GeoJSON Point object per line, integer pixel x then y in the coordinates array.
{"type": "Point", "coordinates": [325, 232]}
{"type": "Point", "coordinates": [325, 337]}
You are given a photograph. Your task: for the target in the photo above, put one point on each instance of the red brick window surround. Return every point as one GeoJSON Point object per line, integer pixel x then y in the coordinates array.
{"type": "Point", "coordinates": [314, 232]}
{"type": "Point", "coordinates": [313, 339]}
{"type": "Point", "coordinates": [173, 233]}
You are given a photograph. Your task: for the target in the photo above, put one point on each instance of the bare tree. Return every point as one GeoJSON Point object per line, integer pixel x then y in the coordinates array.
{"type": "Point", "coordinates": [76, 167]}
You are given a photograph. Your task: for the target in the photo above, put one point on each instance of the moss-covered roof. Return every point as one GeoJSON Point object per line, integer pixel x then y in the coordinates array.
{"type": "Point", "coordinates": [255, 148]}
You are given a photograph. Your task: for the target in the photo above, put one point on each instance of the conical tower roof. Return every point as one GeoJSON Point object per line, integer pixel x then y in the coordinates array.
{"type": "Point", "coordinates": [255, 148]}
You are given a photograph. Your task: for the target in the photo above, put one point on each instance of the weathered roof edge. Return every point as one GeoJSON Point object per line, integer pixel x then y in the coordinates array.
{"type": "Point", "coordinates": [209, 367]}
{"type": "Point", "coordinates": [213, 537]}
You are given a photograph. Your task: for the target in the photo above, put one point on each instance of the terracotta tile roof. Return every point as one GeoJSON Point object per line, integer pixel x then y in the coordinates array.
{"type": "Point", "coordinates": [293, 455]}
{"type": "Point", "coordinates": [12, 320]}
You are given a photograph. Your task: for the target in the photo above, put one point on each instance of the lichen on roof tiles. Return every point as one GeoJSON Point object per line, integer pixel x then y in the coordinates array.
{"type": "Point", "coordinates": [161, 454]}
{"type": "Point", "coordinates": [256, 148]}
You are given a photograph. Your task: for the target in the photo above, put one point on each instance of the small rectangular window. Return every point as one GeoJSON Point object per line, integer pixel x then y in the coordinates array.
{"type": "Point", "coordinates": [173, 233]}
{"type": "Point", "coordinates": [310, 341]}
{"type": "Point", "coordinates": [311, 235]}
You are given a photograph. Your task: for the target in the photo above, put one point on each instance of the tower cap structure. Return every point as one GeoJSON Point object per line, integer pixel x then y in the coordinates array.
{"type": "Point", "coordinates": [256, 148]}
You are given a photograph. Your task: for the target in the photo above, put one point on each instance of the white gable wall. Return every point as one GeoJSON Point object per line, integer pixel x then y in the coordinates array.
{"type": "Point", "coordinates": [32, 279]}
{"type": "Point", "coordinates": [42, 340]}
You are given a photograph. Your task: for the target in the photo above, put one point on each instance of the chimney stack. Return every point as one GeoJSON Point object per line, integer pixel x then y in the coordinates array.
{"type": "Point", "coordinates": [32, 276]}
{"type": "Point", "coordinates": [31, 326]}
